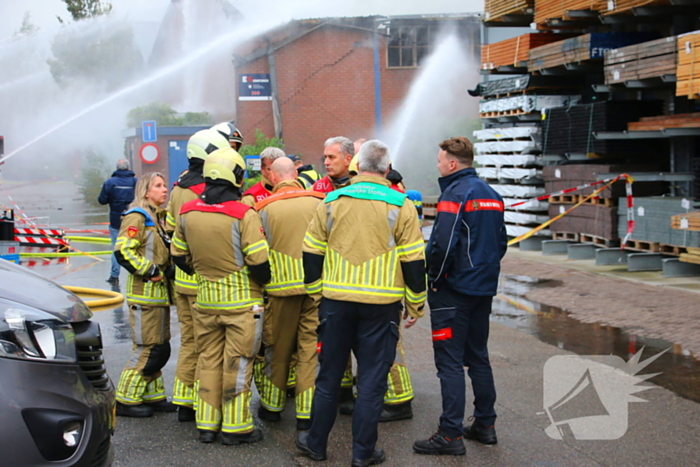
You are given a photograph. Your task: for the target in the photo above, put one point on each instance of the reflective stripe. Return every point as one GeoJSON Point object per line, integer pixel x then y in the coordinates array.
{"type": "Point", "coordinates": [448, 206]}
{"type": "Point", "coordinates": [392, 216]}
{"type": "Point", "coordinates": [127, 247]}
{"type": "Point", "coordinates": [416, 297]}
{"type": "Point", "coordinates": [384, 292]}
{"type": "Point", "coordinates": [181, 244]}
{"type": "Point", "coordinates": [182, 394]}
{"type": "Point", "coordinates": [237, 417]}
{"type": "Point", "coordinates": [255, 247]}
{"type": "Point", "coordinates": [170, 220]}
{"type": "Point", "coordinates": [264, 216]}
{"type": "Point", "coordinates": [313, 243]}
{"type": "Point", "coordinates": [314, 287]}
{"type": "Point", "coordinates": [155, 391]}
{"type": "Point", "coordinates": [233, 291]}
{"type": "Point", "coordinates": [303, 403]}
{"type": "Point", "coordinates": [411, 247]}
{"type": "Point", "coordinates": [287, 273]}
{"type": "Point", "coordinates": [237, 248]}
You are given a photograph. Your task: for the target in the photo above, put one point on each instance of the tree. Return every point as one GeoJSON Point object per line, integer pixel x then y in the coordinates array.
{"type": "Point", "coordinates": [165, 115]}
{"type": "Point", "coordinates": [95, 171]}
{"type": "Point", "coordinates": [81, 9]}
{"type": "Point", "coordinates": [261, 142]}
{"type": "Point", "coordinates": [27, 28]}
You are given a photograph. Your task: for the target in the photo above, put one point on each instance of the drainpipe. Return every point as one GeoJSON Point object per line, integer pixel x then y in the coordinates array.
{"type": "Point", "coordinates": [377, 85]}
{"type": "Point", "coordinates": [276, 114]}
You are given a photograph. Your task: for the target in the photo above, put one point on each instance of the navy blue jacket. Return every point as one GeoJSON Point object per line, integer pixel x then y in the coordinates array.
{"type": "Point", "coordinates": [118, 191]}
{"type": "Point", "coordinates": [469, 237]}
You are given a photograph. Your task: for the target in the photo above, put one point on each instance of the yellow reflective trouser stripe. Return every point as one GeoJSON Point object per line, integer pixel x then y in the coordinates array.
{"type": "Point", "coordinates": [195, 397]}
{"type": "Point", "coordinates": [416, 297]}
{"type": "Point", "coordinates": [127, 247]}
{"type": "Point", "coordinates": [180, 244]}
{"type": "Point", "coordinates": [314, 287]}
{"type": "Point", "coordinates": [208, 418]}
{"type": "Point", "coordinates": [402, 392]}
{"type": "Point", "coordinates": [237, 416]}
{"type": "Point", "coordinates": [313, 243]}
{"type": "Point", "coordinates": [155, 390]}
{"type": "Point", "coordinates": [255, 247]}
{"type": "Point", "coordinates": [131, 387]}
{"type": "Point", "coordinates": [347, 380]}
{"type": "Point", "coordinates": [292, 378]}
{"type": "Point", "coordinates": [411, 247]}
{"type": "Point", "coordinates": [271, 397]}
{"type": "Point", "coordinates": [303, 403]}
{"type": "Point", "coordinates": [182, 394]}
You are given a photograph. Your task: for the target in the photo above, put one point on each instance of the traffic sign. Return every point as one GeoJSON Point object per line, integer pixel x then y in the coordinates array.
{"type": "Point", "coordinates": [149, 133]}
{"type": "Point", "coordinates": [149, 153]}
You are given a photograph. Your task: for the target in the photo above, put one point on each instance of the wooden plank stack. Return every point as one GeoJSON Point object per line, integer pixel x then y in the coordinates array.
{"type": "Point", "coordinates": [514, 51]}
{"type": "Point", "coordinates": [557, 9]}
{"type": "Point", "coordinates": [662, 122]}
{"type": "Point", "coordinates": [688, 70]}
{"type": "Point", "coordinates": [494, 10]}
{"type": "Point", "coordinates": [624, 6]}
{"type": "Point", "coordinates": [641, 61]}
{"type": "Point", "coordinates": [578, 49]}
{"type": "Point", "coordinates": [688, 221]}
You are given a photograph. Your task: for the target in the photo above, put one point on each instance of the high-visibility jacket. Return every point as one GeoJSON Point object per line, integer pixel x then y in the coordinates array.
{"type": "Point", "coordinates": [256, 193]}
{"type": "Point", "coordinates": [184, 283]}
{"type": "Point", "coordinates": [222, 242]}
{"type": "Point", "coordinates": [141, 243]}
{"type": "Point", "coordinates": [371, 246]}
{"type": "Point", "coordinates": [308, 176]}
{"type": "Point", "coordinates": [285, 216]}
{"type": "Point", "coordinates": [327, 184]}
{"type": "Point", "coordinates": [417, 199]}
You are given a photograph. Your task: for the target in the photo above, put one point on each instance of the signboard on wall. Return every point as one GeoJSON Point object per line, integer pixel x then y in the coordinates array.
{"type": "Point", "coordinates": [254, 87]}
{"type": "Point", "coordinates": [149, 132]}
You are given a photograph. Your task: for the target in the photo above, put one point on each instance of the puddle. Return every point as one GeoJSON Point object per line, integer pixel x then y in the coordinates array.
{"type": "Point", "coordinates": [680, 371]}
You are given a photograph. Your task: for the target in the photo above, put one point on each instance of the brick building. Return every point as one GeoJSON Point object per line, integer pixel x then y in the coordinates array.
{"type": "Point", "coordinates": [337, 76]}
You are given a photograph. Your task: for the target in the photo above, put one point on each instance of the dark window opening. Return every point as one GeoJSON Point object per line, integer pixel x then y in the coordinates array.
{"type": "Point", "coordinates": [408, 46]}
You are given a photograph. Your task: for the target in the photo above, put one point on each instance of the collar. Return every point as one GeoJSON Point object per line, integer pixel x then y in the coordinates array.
{"type": "Point", "coordinates": [287, 185]}
{"type": "Point", "coordinates": [378, 179]}
{"type": "Point", "coordinates": [453, 177]}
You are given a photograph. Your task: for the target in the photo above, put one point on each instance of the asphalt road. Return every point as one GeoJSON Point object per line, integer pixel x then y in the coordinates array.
{"type": "Point", "coordinates": [662, 432]}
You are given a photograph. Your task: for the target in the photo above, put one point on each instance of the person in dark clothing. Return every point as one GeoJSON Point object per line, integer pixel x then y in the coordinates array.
{"type": "Point", "coordinates": [463, 259]}
{"type": "Point", "coordinates": [118, 192]}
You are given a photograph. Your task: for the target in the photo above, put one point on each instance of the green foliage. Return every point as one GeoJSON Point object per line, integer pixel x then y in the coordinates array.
{"type": "Point", "coordinates": [254, 178]}
{"type": "Point", "coordinates": [165, 115]}
{"type": "Point", "coordinates": [105, 56]}
{"type": "Point", "coordinates": [261, 142]}
{"type": "Point", "coordinates": [81, 9]}
{"type": "Point", "coordinates": [27, 28]}
{"type": "Point", "coordinates": [93, 174]}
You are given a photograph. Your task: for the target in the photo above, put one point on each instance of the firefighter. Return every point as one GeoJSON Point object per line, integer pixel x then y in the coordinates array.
{"type": "Point", "coordinates": [307, 175]}
{"type": "Point", "coordinates": [223, 241]}
{"type": "Point", "coordinates": [188, 187]}
{"type": "Point", "coordinates": [337, 155]}
{"type": "Point", "coordinates": [292, 316]}
{"type": "Point", "coordinates": [263, 188]}
{"type": "Point", "coordinates": [142, 248]}
{"type": "Point", "coordinates": [364, 252]}
{"type": "Point", "coordinates": [229, 131]}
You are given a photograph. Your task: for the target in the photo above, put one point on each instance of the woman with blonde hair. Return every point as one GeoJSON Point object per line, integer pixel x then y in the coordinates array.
{"type": "Point", "coordinates": [143, 249]}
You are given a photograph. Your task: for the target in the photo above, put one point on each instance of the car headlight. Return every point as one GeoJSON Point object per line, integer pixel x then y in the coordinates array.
{"type": "Point", "coordinates": [31, 334]}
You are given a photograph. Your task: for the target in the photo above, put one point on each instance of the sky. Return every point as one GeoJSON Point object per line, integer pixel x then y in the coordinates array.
{"type": "Point", "coordinates": [43, 12]}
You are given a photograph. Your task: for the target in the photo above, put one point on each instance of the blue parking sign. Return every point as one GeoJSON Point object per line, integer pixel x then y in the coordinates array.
{"type": "Point", "coordinates": [149, 131]}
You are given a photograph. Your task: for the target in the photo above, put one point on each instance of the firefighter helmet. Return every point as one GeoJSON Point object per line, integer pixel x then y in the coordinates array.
{"type": "Point", "coordinates": [225, 164]}
{"type": "Point", "coordinates": [233, 134]}
{"type": "Point", "coordinates": [204, 143]}
{"type": "Point", "coordinates": [354, 167]}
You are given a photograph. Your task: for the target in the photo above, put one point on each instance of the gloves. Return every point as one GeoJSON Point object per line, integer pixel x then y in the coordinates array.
{"type": "Point", "coordinates": [152, 272]}
{"type": "Point", "coordinates": [170, 272]}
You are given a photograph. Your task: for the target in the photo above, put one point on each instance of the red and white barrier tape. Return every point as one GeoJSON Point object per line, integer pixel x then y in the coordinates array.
{"type": "Point", "coordinates": [45, 232]}
{"type": "Point", "coordinates": [40, 240]}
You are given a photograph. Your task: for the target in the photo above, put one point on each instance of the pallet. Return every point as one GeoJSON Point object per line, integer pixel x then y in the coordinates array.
{"type": "Point", "coordinates": [600, 201]}
{"type": "Point", "coordinates": [606, 242]}
{"type": "Point", "coordinates": [641, 245]}
{"type": "Point", "coordinates": [674, 250]}
{"type": "Point", "coordinates": [571, 236]}
{"type": "Point", "coordinates": [506, 113]}
{"type": "Point", "coordinates": [563, 199]}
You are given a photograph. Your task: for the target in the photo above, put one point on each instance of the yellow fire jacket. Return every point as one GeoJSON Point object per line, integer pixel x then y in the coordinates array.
{"type": "Point", "coordinates": [368, 238]}
{"type": "Point", "coordinates": [285, 216]}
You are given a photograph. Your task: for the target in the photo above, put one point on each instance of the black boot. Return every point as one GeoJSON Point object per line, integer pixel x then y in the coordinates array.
{"type": "Point", "coordinates": [268, 415]}
{"type": "Point", "coordinates": [302, 443]}
{"type": "Point", "coordinates": [303, 424]}
{"type": "Point", "coordinates": [481, 433]}
{"type": "Point", "coordinates": [207, 436]}
{"type": "Point", "coordinates": [378, 457]}
{"type": "Point", "coordinates": [186, 414]}
{"type": "Point", "coordinates": [233, 439]}
{"type": "Point", "coordinates": [347, 401]}
{"type": "Point", "coordinates": [440, 444]}
{"type": "Point", "coordinates": [162, 406]}
{"type": "Point", "coordinates": [391, 413]}
{"type": "Point", "coordinates": [136, 411]}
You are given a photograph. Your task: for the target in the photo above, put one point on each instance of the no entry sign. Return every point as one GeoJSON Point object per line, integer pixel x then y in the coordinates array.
{"type": "Point", "coordinates": [149, 153]}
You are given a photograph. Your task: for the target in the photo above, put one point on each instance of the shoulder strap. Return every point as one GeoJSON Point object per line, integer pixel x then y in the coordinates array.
{"type": "Point", "coordinates": [230, 208]}
{"type": "Point", "coordinates": [370, 191]}
{"type": "Point", "coordinates": [149, 219]}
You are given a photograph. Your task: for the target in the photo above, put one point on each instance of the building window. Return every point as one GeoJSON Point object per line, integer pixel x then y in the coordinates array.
{"type": "Point", "coordinates": [409, 45]}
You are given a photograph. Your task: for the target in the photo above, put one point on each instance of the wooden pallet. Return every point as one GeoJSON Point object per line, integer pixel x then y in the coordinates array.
{"type": "Point", "coordinates": [642, 245]}
{"type": "Point", "coordinates": [606, 242]}
{"type": "Point", "coordinates": [571, 236]}
{"type": "Point", "coordinates": [674, 250]}
{"type": "Point", "coordinates": [600, 201]}
{"type": "Point", "coordinates": [563, 199]}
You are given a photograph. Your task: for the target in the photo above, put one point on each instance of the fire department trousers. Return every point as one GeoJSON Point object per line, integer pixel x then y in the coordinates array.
{"type": "Point", "coordinates": [372, 332]}
{"type": "Point", "coordinates": [185, 372]}
{"type": "Point", "coordinates": [141, 380]}
{"type": "Point", "coordinates": [290, 324]}
{"type": "Point", "coordinates": [228, 344]}
{"type": "Point", "coordinates": [460, 325]}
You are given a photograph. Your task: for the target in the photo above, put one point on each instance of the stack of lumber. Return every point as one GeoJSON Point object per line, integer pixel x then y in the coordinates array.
{"type": "Point", "coordinates": [496, 9]}
{"type": "Point", "coordinates": [624, 6]}
{"type": "Point", "coordinates": [514, 51]}
{"type": "Point", "coordinates": [641, 61]}
{"type": "Point", "coordinates": [570, 130]}
{"type": "Point", "coordinates": [557, 9]}
{"type": "Point", "coordinates": [688, 221]}
{"type": "Point", "coordinates": [653, 219]}
{"type": "Point", "coordinates": [662, 122]}
{"type": "Point", "coordinates": [578, 49]}
{"type": "Point", "coordinates": [688, 70]}
{"type": "Point", "coordinates": [562, 177]}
